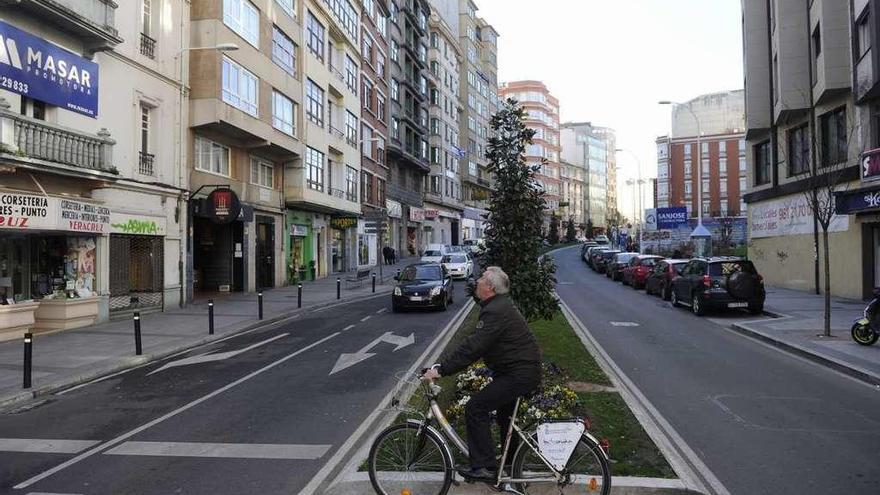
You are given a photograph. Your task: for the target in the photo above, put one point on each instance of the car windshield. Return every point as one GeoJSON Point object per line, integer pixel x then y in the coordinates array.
{"type": "Point", "coordinates": [730, 267]}
{"type": "Point", "coordinates": [455, 259]}
{"type": "Point", "coordinates": [421, 272]}
{"type": "Point", "coordinates": [432, 253]}
{"type": "Point", "coordinates": [609, 254]}
{"type": "Point", "coordinates": [624, 258]}
{"type": "Point", "coordinates": [649, 261]}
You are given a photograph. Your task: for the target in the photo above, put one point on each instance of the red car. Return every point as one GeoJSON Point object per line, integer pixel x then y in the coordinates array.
{"type": "Point", "coordinates": [638, 269]}
{"type": "Point", "coordinates": [659, 281]}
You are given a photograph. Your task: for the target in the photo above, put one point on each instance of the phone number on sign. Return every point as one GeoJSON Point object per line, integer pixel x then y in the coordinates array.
{"type": "Point", "coordinates": [14, 85]}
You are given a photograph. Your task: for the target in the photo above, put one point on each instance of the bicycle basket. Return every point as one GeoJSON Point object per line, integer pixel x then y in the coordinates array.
{"type": "Point", "coordinates": [410, 396]}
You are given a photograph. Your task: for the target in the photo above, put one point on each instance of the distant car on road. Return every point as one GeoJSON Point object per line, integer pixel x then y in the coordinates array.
{"type": "Point", "coordinates": [458, 265]}
{"type": "Point", "coordinates": [637, 270]}
{"type": "Point", "coordinates": [659, 281]}
{"type": "Point", "coordinates": [614, 268]}
{"type": "Point", "coordinates": [715, 283]}
{"type": "Point", "coordinates": [601, 239]}
{"type": "Point", "coordinates": [422, 285]}
{"type": "Point", "coordinates": [585, 247]}
{"type": "Point", "coordinates": [432, 256]}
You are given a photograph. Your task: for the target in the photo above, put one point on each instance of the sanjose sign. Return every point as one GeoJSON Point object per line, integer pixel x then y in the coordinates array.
{"type": "Point", "coordinates": [223, 206]}
{"type": "Point", "coordinates": [672, 218]}
{"type": "Point", "coordinates": [342, 223]}
{"type": "Point", "coordinates": [33, 67]}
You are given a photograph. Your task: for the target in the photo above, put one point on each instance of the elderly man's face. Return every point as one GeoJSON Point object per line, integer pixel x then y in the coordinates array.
{"type": "Point", "coordinates": [484, 289]}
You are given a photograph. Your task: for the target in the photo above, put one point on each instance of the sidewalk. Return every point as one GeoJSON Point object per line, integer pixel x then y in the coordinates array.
{"type": "Point", "coordinates": [798, 324]}
{"type": "Point", "coordinates": [74, 356]}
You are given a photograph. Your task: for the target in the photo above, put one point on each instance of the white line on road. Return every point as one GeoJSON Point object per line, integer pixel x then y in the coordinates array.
{"type": "Point", "coordinates": [220, 356]}
{"type": "Point", "coordinates": [221, 450]}
{"type": "Point", "coordinates": [381, 311]}
{"type": "Point", "coordinates": [365, 318]}
{"type": "Point", "coordinates": [348, 328]}
{"type": "Point", "coordinates": [48, 493]}
{"type": "Point", "coordinates": [45, 445]}
{"type": "Point", "coordinates": [623, 324]}
{"type": "Point", "coordinates": [160, 419]}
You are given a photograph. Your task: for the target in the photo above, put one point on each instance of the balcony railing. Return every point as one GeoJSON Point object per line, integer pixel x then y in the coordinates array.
{"type": "Point", "coordinates": [337, 133]}
{"type": "Point", "coordinates": [37, 139]}
{"type": "Point", "coordinates": [145, 165]}
{"type": "Point", "coordinates": [336, 193]}
{"type": "Point", "coordinates": [148, 46]}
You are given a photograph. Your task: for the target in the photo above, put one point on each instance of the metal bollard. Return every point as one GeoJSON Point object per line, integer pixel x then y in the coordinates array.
{"type": "Point", "coordinates": [28, 354]}
{"type": "Point", "coordinates": [210, 317]}
{"type": "Point", "coordinates": [299, 295]}
{"type": "Point", "coordinates": [260, 303]}
{"type": "Point", "coordinates": [398, 273]}
{"type": "Point", "coordinates": [338, 288]}
{"type": "Point", "coordinates": [374, 283]}
{"type": "Point", "coordinates": [137, 333]}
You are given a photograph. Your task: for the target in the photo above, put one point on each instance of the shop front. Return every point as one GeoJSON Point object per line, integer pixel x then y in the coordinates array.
{"type": "Point", "coordinates": [49, 258]}
{"type": "Point", "coordinates": [301, 263]}
{"type": "Point", "coordinates": [343, 245]}
{"type": "Point", "coordinates": [392, 234]}
{"type": "Point", "coordinates": [864, 203]}
{"type": "Point", "coordinates": [367, 252]}
{"type": "Point", "coordinates": [441, 226]}
{"type": "Point", "coordinates": [220, 249]}
{"type": "Point", "coordinates": [136, 262]}
{"type": "Point", "coordinates": [416, 216]}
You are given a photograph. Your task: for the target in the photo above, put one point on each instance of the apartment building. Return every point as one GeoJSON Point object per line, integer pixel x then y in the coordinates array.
{"type": "Point", "coordinates": [586, 147]}
{"type": "Point", "coordinates": [542, 116]}
{"type": "Point", "coordinates": [442, 189]}
{"type": "Point", "coordinates": [91, 190]}
{"type": "Point", "coordinates": [573, 194]}
{"type": "Point", "coordinates": [722, 176]}
{"type": "Point", "coordinates": [804, 118]}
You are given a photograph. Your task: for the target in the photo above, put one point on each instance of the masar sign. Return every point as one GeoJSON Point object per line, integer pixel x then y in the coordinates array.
{"type": "Point", "coordinates": [133, 224]}
{"type": "Point", "coordinates": [223, 206]}
{"type": "Point", "coordinates": [342, 223]}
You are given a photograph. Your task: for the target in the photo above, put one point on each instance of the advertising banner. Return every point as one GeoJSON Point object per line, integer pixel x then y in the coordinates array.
{"type": "Point", "coordinates": [787, 216]}
{"type": "Point", "coordinates": [672, 217]}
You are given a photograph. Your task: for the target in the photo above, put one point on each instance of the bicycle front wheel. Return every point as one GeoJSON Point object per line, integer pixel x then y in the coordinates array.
{"type": "Point", "coordinates": [406, 459]}
{"type": "Point", "coordinates": [587, 470]}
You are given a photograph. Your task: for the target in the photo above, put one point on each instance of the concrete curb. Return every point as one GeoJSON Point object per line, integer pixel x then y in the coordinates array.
{"type": "Point", "coordinates": [809, 354]}
{"type": "Point", "coordinates": [137, 361]}
{"type": "Point", "coordinates": [359, 484]}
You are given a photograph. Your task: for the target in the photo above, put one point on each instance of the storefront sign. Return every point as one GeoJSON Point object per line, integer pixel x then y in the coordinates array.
{"type": "Point", "coordinates": [672, 218]}
{"type": "Point", "coordinates": [26, 211]}
{"type": "Point", "coordinates": [416, 214]}
{"type": "Point", "coordinates": [395, 210]}
{"type": "Point", "coordinates": [871, 165]}
{"type": "Point", "coordinates": [223, 206]}
{"type": "Point", "coordinates": [431, 213]}
{"type": "Point", "coordinates": [342, 223]}
{"type": "Point", "coordinates": [857, 201]}
{"type": "Point", "coordinates": [788, 216]}
{"type": "Point", "coordinates": [33, 67]}
{"type": "Point", "coordinates": [299, 230]}
{"type": "Point", "coordinates": [84, 217]}
{"type": "Point", "coordinates": [126, 223]}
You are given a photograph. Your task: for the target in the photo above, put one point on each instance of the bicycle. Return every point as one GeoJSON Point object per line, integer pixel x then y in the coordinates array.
{"type": "Point", "coordinates": [414, 457]}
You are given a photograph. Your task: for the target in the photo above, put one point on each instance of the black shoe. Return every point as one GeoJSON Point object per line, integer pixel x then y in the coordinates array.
{"type": "Point", "coordinates": [476, 474]}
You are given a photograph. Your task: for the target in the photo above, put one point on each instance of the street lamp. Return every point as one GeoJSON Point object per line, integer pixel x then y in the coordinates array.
{"type": "Point", "coordinates": [701, 235]}
{"type": "Point", "coordinates": [639, 181]}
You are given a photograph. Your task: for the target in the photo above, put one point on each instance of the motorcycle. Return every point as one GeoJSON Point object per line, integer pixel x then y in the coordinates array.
{"type": "Point", "coordinates": [864, 330]}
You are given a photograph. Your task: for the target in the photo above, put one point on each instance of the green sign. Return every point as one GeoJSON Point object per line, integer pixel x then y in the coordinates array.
{"type": "Point", "coordinates": [122, 223]}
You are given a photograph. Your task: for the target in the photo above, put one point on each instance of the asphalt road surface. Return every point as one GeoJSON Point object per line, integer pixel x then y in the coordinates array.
{"type": "Point", "coordinates": [257, 413]}
{"type": "Point", "coordinates": [763, 421]}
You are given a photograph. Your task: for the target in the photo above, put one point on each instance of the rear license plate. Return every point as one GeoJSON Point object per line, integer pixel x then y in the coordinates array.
{"type": "Point", "coordinates": [416, 298]}
{"type": "Point", "coordinates": [738, 305]}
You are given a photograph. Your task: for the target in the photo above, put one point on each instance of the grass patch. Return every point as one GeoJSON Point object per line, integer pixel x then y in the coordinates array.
{"type": "Point", "coordinates": [563, 348]}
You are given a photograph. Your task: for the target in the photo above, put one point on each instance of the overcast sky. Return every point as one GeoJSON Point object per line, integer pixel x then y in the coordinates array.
{"type": "Point", "coordinates": [610, 61]}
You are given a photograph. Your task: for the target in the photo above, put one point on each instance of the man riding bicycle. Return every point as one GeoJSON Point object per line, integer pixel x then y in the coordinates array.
{"type": "Point", "coordinates": [507, 346]}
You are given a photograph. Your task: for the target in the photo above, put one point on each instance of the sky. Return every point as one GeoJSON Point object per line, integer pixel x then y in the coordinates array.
{"type": "Point", "coordinates": [610, 61]}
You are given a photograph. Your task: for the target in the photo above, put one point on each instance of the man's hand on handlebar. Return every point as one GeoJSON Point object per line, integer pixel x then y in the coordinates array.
{"type": "Point", "coordinates": [430, 374]}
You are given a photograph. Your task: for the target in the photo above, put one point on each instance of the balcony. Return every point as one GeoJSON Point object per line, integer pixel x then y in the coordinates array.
{"type": "Point", "coordinates": [35, 142]}
{"type": "Point", "coordinates": [90, 20]}
{"type": "Point", "coordinates": [145, 163]}
{"type": "Point", "coordinates": [412, 197]}
{"type": "Point", "coordinates": [148, 46]}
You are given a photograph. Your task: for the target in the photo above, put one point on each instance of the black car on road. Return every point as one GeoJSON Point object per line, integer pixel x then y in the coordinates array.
{"type": "Point", "coordinates": [422, 285]}
{"type": "Point", "coordinates": [715, 283]}
{"type": "Point", "coordinates": [614, 266]}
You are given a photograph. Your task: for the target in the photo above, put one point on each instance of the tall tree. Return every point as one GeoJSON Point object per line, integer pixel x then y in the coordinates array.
{"type": "Point", "coordinates": [553, 235]}
{"type": "Point", "coordinates": [570, 231]}
{"type": "Point", "coordinates": [516, 216]}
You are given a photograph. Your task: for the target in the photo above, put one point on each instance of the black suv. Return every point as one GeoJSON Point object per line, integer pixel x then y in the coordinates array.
{"type": "Point", "coordinates": [715, 283]}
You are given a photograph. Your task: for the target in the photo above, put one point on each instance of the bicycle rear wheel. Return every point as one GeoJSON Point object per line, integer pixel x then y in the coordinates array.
{"type": "Point", "coordinates": [587, 470]}
{"type": "Point", "coordinates": [408, 460]}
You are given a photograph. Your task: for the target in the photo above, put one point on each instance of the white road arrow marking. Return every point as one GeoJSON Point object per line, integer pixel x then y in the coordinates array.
{"type": "Point", "coordinates": [346, 360]}
{"type": "Point", "coordinates": [220, 356]}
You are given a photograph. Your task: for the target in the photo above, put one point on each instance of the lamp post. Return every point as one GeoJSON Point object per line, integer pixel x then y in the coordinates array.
{"type": "Point", "coordinates": [701, 235]}
{"type": "Point", "coordinates": [639, 182]}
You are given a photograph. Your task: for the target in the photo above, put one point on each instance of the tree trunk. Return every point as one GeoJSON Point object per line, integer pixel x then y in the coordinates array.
{"type": "Point", "coordinates": [827, 263]}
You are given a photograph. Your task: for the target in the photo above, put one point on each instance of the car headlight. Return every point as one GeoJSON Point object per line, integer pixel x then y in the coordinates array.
{"type": "Point", "coordinates": [436, 291]}
{"type": "Point", "coordinates": [397, 291]}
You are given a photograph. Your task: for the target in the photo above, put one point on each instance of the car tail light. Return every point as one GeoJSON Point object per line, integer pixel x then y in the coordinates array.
{"type": "Point", "coordinates": [707, 281]}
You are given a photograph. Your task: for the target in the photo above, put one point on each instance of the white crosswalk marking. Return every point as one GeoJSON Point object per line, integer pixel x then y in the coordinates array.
{"type": "Point", "coordinates": [44, 445]}
{"type": "Point", "coordinates": [221, 450]}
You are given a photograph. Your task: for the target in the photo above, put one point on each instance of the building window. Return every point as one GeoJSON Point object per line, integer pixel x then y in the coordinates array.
{"type": "Point", "coordinates": [395, 90]}
{"type": "Point", "coordinates": [315, 167]}
{"type": "Point", "coordinates": [762, 163]}
{"type": "Point", "coordinates": [288, 6]}
{"type": "Point", "coordinates": [395, 128]}
{"type": "Point", "coordinates": [382, 25]}
{"type": "Point", "coordinates": [211, 157]}
{"type": "Point", "coordinates": [380, 65]}
{"type": "Point", "coordinates": [380, 106]}
{"type": "Point", "coordinates": [147, 17]}
{"type": "Point", "coordinates": [798, 150]}
{"type": "Point", "coordinates": [145, 165]}
{"type": "Point", "coordinates": [367, 188]}
{"type": "Point", "coordinates": [722, 166]}
{"type": "Point", "coordinates": [351, 74]}
{"type": "Point", "coordinates": [315, 34]}
{"type": "Point", "coordinates": [833, 127]}
{"type": "Point", "coordinates": [314, 103]}
{"type": "Point", "coordinates": [283, 113]}
{"type": "Point", "coordinates": [351, 184]}
{"type": "Point", "coordinates": [239, 87]}
{"type": "Point", "coordinates": [863, 33]}
{"type": "Point", "coordinates": [262, 173]}
{"type": "Point", "coordinates": [242, 17]}
{"type": "Point", "coordinates": [351, 122]}
{"type": "Point", "coordinates": [367, 94]}
{"type": "Point", "coordinates": [283, 51]}
{"type": "Point", "coordinates": [395, 51]}
{"type": "Point", "coordinates": [380, 192]}
{"type": "Point", "coordinates": [367, 49]}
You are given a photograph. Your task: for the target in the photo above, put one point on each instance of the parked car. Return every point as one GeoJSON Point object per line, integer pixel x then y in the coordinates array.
{"type": "Point", "coordinates": [454, 249]}
{"type": "Point", "coordinates": [614, 268]}
{"type": "Point", "coordinates": [715, 283]}
{"type": "Point", "coordinates": [585, 247]}
{"type": "Point", "coordinates": [601, 239]}
{"type": "Point", "coordinates": [443, 248]}
{"type": "Point", "coordinates": [603, 258]}
{"type": "Point", "coordinates": [432, 256]}
{"type": "Point", "coordinates": [458, 265]}
{"type": "Point", "coordinates": [637, 270]}
{"type": "Point", "coordinates": [659, 281]}
{"type": "Point", "coordinates": [595, 253]}
{"type": "Point", "coordinates": [422, 285]}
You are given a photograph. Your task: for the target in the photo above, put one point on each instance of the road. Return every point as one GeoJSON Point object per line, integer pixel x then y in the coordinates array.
{"type": "Point", "coordinates": [761, 420]}
{"type": "Point", "coordinates": [257, 413]}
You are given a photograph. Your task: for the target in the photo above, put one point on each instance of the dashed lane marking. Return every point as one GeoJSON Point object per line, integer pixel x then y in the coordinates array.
{"type": "Point", "coordinates": [221, 450]}
{"type": "Point", "coordinates": [623, 324]}
{"type": "Point", "coordinates": [45, 445]}
{"type": "Point", "coordinates": [365, 318]}
{"type": "Point", "coordinates": [348, 328]}
{"type": "Point", "coordinates": [381, 311]}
